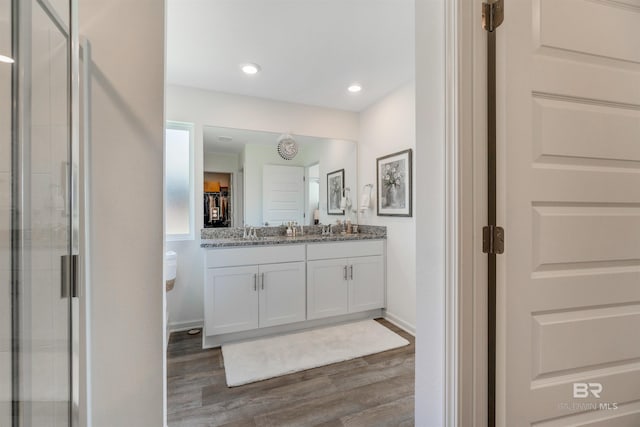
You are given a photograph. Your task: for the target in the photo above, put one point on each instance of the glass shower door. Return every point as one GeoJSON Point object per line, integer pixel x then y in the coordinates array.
{"type": "Point", "coordinates": [41, 235]}
{"type": "Point", "coordinates": [5, 215]}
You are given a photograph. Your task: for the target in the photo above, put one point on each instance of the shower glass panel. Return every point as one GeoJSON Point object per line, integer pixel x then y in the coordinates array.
{"type": "Point", "coordinates": [5, 215]}
{"type": "Point", "coordinates": [37, 220]}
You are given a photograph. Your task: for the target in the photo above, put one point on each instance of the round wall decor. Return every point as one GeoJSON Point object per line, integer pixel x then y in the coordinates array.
{"type": "Point", "coordinates": [287, 147]}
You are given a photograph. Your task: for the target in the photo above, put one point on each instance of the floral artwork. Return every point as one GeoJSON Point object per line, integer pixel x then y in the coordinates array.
{"type": "Point", "coordinates": [394, 184]}
{"type": "Point", "coordinates": [335, 187]}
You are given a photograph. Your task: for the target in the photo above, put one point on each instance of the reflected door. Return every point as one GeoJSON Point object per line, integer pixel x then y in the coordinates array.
{"type": "Point", "coordinates": [282, 194]}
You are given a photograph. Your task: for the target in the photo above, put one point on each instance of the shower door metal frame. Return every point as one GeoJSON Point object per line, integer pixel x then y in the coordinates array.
{"type": "Point", "coordinates": [17, 207]}
{"type": "Point", "coordinates": [20, 182]}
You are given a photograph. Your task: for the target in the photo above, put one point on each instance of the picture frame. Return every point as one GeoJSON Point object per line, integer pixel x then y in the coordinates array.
{"type": "Point", "coordinates": [394, 177]}
{"type": "Point", "coordinates": [335, 192]}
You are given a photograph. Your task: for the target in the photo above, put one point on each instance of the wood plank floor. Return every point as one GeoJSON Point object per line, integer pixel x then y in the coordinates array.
{"type": "Point", "coordinates": [370, 391]}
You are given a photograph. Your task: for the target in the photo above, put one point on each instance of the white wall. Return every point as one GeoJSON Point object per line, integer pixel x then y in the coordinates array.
{"type": "Point", "coordinates": [219, 109]}
{"type": "Point", "coordinates": [430, 212]}
{"type": "Point", "coordinates": [221, 162]}
{"type": "Point", "coordinates": [387, 127]}
{"type": "Point", "coordinates": [126, 126]}
{"type": "Point", "coordinates": [244, 112]}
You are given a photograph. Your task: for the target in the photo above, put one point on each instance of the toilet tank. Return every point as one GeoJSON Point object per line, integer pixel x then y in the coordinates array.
{"type": "Point", "coordinates": [171, 268]}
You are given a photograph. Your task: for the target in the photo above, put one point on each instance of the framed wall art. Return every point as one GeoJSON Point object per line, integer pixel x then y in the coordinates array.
{"type": "Point", "coordinates": [394, 177]}
{"type": "Point", "coordinates": [335, 189]}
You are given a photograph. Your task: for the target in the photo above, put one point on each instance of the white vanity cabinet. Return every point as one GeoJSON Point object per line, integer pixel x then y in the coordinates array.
{"type": "Point", "coordinates": [366, 283]}
{"type": "Point", "coordinates": [264, 293]}
{"type": "Point", "coordinates": [251, 291]}
{"type": "Point", "coordinates": [282, 296]}
{"type": "Point", "coordinates": [327, 288]}
{"type": "Point", "coordinates": [345, 277]}
{"type": "Point", "coordinates": [231, 299]}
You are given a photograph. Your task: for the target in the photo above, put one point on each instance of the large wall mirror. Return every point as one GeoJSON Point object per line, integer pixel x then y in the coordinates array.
{"type": "Point", "coordinates": [248, 182]}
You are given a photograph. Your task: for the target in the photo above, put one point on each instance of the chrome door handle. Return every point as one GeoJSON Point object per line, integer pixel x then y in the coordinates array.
{"type": "Point", "coordinates": [69, 279]}
{"type": "Point", "coordinates": [351, 271]}
{"type": "Point", "coordinates": [255, 282]}
{"type": "Point", "coordinates": [64, 275]}
{"type": "Point", "coordinates": [345, 272]}
{"type": "Point", "coordinates": [262, 281]}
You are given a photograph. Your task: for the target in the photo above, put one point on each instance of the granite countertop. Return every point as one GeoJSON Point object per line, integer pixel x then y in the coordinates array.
{"type": "Point", "coordinates": [284, 240]}
{"type": "Point", "coordinates": [226, 238]}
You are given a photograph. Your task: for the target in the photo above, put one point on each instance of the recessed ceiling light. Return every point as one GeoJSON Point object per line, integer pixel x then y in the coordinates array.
{"type": "Point", "coordinates": [250, 68]}
{"type": "Point", "coordinates": [6, 59]}
{"type": "Point", "coordinates": [354, 88]}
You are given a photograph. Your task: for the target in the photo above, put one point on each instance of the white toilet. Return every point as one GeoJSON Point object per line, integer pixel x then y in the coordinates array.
{"type": "Point", "coordinates": [171, 267]}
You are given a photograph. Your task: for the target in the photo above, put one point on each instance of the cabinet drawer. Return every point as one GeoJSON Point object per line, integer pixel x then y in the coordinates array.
{"type": "Point", "coordinates": [344, 249]}
{"type": "Point", "coordinates": [227, 257]}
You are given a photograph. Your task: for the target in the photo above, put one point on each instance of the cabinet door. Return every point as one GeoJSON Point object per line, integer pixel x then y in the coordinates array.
{"type": "Point", "coordinates": [231, 300]}
{"type": "Point", "coordinates": [366, 289]}
{"type": "Point", "coordinates": [327, 288]}
{"type": "Point", "coordinates": [282, 293]}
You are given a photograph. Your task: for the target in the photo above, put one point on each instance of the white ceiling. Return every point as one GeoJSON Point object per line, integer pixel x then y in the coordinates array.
{"type": "Point", "coordinates": [310, 51]}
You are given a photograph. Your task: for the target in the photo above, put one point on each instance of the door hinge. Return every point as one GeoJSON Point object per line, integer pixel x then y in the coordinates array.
{"type": "Point", "coordinates": [492, 15]}
{"type": "Point", "coordinates": [492, 239]}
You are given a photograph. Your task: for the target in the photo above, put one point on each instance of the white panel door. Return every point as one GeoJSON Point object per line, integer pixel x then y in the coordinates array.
{"type": "Point", "coordinates": [366, 290]}
{"type": "Point", "coordinates": [282, 293]}
{"type": "Point", "coordinates": [231, 299]}
{"type": "Point", "coordinates": [569, 199]}
{"type": "Point", "coordinates": [327, 288]}
{"type": "Point", "coordinates": [282, 194]}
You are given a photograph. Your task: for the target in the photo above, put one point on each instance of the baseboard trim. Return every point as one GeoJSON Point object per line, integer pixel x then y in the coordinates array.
{"type": "Point", "coordinates": [405, 326]}
{"type": "Point", "coordinates": [185, 326]}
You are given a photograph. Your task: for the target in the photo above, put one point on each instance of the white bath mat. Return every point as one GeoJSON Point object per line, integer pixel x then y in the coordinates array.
{"type": "Point", "coordinates": [250, 361]}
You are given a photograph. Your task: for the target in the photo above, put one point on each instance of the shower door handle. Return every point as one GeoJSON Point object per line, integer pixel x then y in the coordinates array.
{"type": "Point", "coordinates": [69, 275]}
{"type": "Point", "coordinates": [74, 277]}
{"type": "Point", "coordinates": [65, 268]}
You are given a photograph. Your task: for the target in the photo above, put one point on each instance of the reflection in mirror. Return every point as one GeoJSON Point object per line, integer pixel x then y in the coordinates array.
{"type": "Point", "coordinates": [218, 209]}
{"type": "Point", "coordinates": [265, 188]}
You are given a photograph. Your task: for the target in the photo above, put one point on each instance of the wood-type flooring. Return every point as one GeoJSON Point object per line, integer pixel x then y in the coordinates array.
{"type": "Point", "coordinates": [371, 391]}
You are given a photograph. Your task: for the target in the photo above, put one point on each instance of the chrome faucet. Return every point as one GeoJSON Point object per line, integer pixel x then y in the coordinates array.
{"type": "Point", "coordinates": [251, 234]}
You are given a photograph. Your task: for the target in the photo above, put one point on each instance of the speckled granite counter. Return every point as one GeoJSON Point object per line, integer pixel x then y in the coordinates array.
{"type": "Point", "coordinates": [232, 237]}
